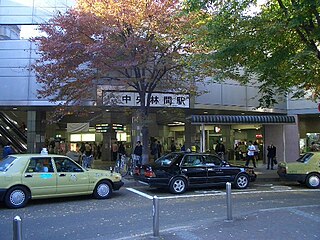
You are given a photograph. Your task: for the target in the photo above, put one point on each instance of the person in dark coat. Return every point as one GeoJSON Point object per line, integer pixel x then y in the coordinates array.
{"type": "Point", "coordinates": [138, 153]}
{"type": "Point", "coordinates": [272, 151]}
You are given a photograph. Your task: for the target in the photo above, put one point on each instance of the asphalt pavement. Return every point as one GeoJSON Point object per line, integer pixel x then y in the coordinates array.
{"type": "Point", "coordinates": [271, 223]}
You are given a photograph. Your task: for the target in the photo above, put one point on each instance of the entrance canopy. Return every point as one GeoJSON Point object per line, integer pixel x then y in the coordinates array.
{"type": "Point", "coordinates": [242, 119]}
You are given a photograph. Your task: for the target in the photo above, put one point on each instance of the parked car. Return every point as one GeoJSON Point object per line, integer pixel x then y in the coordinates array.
{"type": "Point", "coordinates": [181, 170]}
{"type": "Point", "coordinates": [35, 176]}
{"type": "Point", "coordinates": [305, 170]}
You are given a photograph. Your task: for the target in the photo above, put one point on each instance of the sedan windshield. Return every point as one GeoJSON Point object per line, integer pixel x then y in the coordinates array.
{"type": "Point", "coordinates": [305, 158]}
{"type": "Point", "coordinates": [6, 163]}
{"type": "Point", "coordinates": [168, 159]}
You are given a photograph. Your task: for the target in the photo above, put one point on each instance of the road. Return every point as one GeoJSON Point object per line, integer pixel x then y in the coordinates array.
{"type": "Point", "coordinates": [263, 211]}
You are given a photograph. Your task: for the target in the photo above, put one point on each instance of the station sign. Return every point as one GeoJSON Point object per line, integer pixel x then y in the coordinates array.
{"type": "Point", "coordinates": [132, 99]}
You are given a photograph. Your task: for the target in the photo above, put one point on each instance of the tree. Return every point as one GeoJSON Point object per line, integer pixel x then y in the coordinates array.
{"type": "Point", "coordinates": [144, 45]}
{"type": "Point", "coordinates": [277, 44]}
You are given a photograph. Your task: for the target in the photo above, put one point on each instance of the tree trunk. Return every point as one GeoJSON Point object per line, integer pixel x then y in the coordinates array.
{"type": "Point", "coordinates": [145, 143]}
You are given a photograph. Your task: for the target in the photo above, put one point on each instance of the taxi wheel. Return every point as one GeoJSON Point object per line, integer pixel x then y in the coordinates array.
{"type": "Point", "coordinates": [242, 181]}
{"type": "Point", "coordinates": [313, 180]}
{"type": "Point", "coordinates": [178, 185]}
{"type": "Point", "coordinates": [16, 197]}
{"type": "Point", "coordinates": [103, 190]}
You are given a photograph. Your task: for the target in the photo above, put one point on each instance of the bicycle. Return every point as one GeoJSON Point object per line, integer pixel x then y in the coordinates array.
{"type": "Point", "coordinates": [125, 165]}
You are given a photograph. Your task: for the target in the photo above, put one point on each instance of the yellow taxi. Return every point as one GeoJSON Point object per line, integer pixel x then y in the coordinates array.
{"type": "Point", "coordinates": [305, 170]}
{"type": "Point", "coordinates": [34, 176]}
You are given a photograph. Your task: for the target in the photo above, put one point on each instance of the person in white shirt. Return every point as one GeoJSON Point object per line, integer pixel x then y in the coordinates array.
{"type": "Point", "coordinates": [250, 154]}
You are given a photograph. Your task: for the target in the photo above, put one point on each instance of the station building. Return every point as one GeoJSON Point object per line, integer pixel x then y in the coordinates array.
{"type": "Point", "coordinates": [227, 112]}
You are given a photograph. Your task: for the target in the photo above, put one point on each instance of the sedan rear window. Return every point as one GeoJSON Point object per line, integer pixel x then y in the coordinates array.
{"type": "Point", "coordinates": [305, 158]}
{"type": "Point", "coordinates": [6, 163]}
{"type": "Point", "coordinates": [168, 159]}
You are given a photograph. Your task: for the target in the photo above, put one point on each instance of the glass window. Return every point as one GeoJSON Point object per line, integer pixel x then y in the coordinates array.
{"type": "Point", "coordinates": [168, 159]}
{"type": "Point", "coordinates": [6, 163]}
{"type": "Point", "coordinates": [192, 161]}
{"type": "Point", "coordinates": [211, 160]}
{"type": "Point", "coordinates": [66, 165]}
{"type": "Point", "coordinates": [305, 158]}
{"type": "Point", "coordinates": [43, 164]}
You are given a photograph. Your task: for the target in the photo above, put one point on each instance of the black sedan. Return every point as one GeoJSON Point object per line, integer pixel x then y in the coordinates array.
{"type": "Point", "coordinates": [181, 170]}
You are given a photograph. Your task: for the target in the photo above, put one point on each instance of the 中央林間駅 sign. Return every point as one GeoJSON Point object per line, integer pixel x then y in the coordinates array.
{"type": "Point", "coordinates": [132, 99]}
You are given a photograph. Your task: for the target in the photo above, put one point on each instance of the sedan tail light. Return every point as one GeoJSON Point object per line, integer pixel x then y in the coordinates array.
{"type": "Point", "coordinates": [149, 172]}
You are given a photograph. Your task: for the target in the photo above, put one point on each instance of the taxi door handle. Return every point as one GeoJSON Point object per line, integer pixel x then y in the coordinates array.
{"type": "Point", "coordinates": [28, 175]}
{"type": "Point", "coordinates": [62, 175]}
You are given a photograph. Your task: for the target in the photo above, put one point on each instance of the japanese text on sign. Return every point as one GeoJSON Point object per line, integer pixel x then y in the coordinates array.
{"type": "Point", "coordinates": [156, 100]}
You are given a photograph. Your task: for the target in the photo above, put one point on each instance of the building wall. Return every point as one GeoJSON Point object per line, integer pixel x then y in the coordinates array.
{"type": "Point", "coordinates": [286, 140]}
{"type": "Point", "coordinates": [233, 95]}
{"type": "Point", "coordinates": [24, 12]}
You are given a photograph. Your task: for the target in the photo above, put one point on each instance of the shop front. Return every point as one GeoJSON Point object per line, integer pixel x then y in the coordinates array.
{"type": "Point", "coordinates": [236, 131]}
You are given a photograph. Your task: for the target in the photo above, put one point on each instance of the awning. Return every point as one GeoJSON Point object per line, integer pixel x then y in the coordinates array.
{"type": "Point", "coordinates": [242, 119]}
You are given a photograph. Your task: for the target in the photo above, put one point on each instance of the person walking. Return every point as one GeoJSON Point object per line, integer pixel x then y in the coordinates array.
{"type": "Point", "coordinates": [220, 150]}
{"type": "Point", "coordinates": [114, 150]}
{"type": "Point", "coordinates": [138, 153]}
{"type": "Point", "coordinates": [173, 146]}
{"type": "Point", "coordinates": [87, 156]}
{"type": "Point", "coordinates": [250, 155]}
{"type": "Point", "coordinates": [272, 151]}
{"type": "Point", "coordinates": [256, 152]}
{"type": "Point", "coordinates": [159, 149]}
{"type": "Point", "coordinates": [154, 149]}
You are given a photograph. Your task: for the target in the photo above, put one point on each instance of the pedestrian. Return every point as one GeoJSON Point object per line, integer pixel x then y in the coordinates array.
{"type": "Point", "coordinates": [173, 147]}
{"type": "Point", "coordinates": [7, 150]}
{"type": "Point", "coordinates": [272, 151]}
{"type": "Point", "coordinates": [154, 149]}
{"type": "Point", "coordinates": [137, 153]}
{"type": "Point", "coordinates": [121, 149]}
{"type": "Point", "coordinates": [159, 149]}
{"type": "Point", "coordinates": [256, 151]}
{"type": "Point", "coordinates": [250, 154]}
{"type": "Point", "coordinates": [114, 150]}
{"type": "Point", "coordinates": [183, 148]}
{"type": "Point", "coordinates": [243, 151]}
{"type": "Point", "coordinates": [82, 148]}
{"type": "Point", "coordinates": [87, 157]}
{"type": "Point", "coordinates": [99, 150]}
{"type": "Point", "coordinates": [220, 150]}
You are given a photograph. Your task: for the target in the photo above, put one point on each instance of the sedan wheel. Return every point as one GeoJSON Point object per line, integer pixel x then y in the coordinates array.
{"type": "Point", "coordinates": [313, 180]}
{"type": "Point", "coordinates": [16, 197]}
{"type": "Point", "coordinates": [103, 190]}
{"type": "Point", "coordinates": [178, 185]}
{"type": "Point", "coordinates": [242, 181]}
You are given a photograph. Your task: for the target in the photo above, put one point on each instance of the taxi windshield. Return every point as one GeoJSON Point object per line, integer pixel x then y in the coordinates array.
{"type": "Point", "coordinates": [6, 163]}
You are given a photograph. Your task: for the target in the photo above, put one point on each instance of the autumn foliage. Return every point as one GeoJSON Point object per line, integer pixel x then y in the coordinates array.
{"type": "Point", "coordinates": [141, 45]}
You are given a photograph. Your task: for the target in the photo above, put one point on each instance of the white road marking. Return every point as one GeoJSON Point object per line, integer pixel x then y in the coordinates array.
{"type": "Point", "coordinates": [222, 193]}
{"type": "Point", "coordinates": [287, 208]}
{"type": "Point", "coordinates": [281, 187]}
{"type": "Point", "coordinates": [140, 193]}
{"type": "Point", "coordinates": [305, 215]}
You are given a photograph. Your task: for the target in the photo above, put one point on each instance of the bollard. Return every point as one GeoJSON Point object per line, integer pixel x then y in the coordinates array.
{"type": "Point", "coordinates": [229, 205]}
{"type": "Point", "coordinates": [17, 228]}
{"type": "Point", "coordinates": [155, 212]}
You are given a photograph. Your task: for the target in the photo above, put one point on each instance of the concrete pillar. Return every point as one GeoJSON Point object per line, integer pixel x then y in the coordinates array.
{"type": "Point", "coordinates": [106, 154]}
{"type": "Point", "coordinates": [286, 140]}
{"type": "Point", "coordinates": [36, 131]}
{"type": "Point", "coordinates": [190, 135]}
